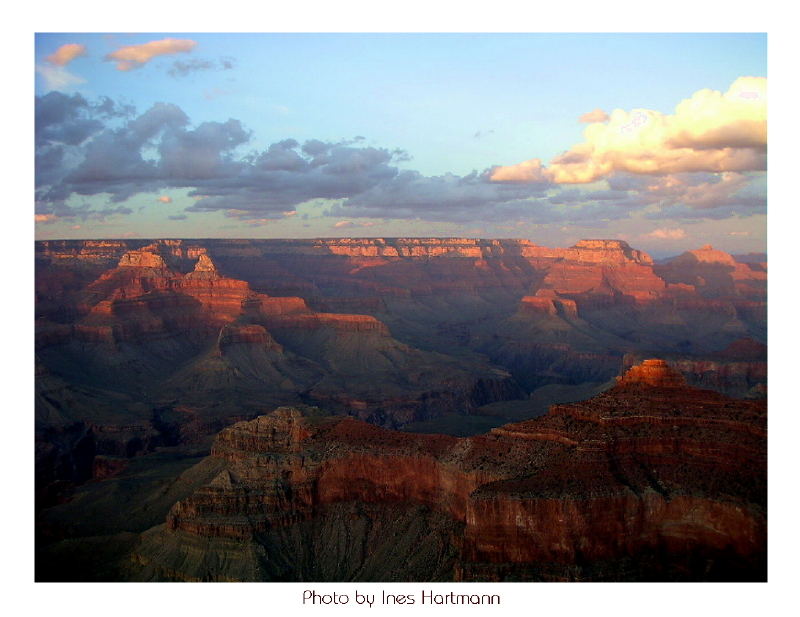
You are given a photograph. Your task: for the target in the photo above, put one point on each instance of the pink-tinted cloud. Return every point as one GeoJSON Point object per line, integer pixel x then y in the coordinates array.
{"type": "Point", "coordinates": [66, 54]}
{"type": "Point", "coordinates": [44, 218]}
{"type": "Point", "coordinates": [346, 224]}
{"type": "Point", "coordinates": [527, 171]}
{"type": "Point", "coordinates": [710, 131]}
{"type": "Point", "coordinates": [667, 234]}
{"type": "Point", "coordinates": [596, 115]}
{"type": "Point", "coordinates": [134, 56]}
{"type": "Point", "coordinates": [165, 199]}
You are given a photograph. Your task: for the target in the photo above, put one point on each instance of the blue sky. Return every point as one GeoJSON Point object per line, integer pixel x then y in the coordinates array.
{"type": "Point", "coordinates": [434, 114]}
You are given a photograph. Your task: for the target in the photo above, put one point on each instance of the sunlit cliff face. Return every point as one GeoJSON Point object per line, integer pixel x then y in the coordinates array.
{"type": "Point", "coordinates": [710, 131]}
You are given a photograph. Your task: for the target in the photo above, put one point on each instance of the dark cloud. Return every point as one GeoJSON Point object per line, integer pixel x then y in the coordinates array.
{"type": "Point", "coordinates": [158, 149]}
{"type": "Point", "coordinates": [121, 162]}
{"type": "Point", "coordinates": [411, 195]}
{"type": "Point", "coordinates": [287, 174]}
{"type": "Point", "coordinates": [566, 196]}
{"type": "Point", "coordinates": [610, 195]}
{"type": "Point", "coordinates": [203, 153]}
{"type": "Point", "coordinates": [70, 120]}
{"type": "Point", "coordinates": [693, 196]}
{"type": "Point", "coordinates": [471, 198]}
{"type": "Point", "coordinates": [114, 160]}
{"type": "Point", "coordinates": [687, 214]}
{"type": "Point", "coordinates": [63, 125]}
{"type": "Point", "coordinates": [84, 212]}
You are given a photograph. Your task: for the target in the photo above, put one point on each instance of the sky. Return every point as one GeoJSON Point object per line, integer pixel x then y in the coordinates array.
{"type": "Point", "coordinates": [657, 139]}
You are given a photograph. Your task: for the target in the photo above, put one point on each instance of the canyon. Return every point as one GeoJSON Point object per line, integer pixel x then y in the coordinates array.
{"type": "Point", "coordinates": [399, 409]}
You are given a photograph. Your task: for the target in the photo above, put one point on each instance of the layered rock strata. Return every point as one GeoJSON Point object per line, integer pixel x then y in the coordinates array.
{"type": "Point", "coordinates": [650, 466]}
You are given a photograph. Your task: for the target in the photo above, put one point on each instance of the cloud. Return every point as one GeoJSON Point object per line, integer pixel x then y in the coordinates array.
{"type": "Point", "coordinates": [165, 199]}
{"type": "Point", "coordinates": [703, 191]}
{"type": "Point", "coordinates": [411, 195]}
{"type": "Point", "coordinates": [66, 54]}
{"type": "Point", "coordinates": [58, 78]}
{"type": "Point", "coordinates": [698, 195]}
{"type": "Point", "coordinates": [135, 56]}
{"type": "Point", "coordinates": [248, 219]}
{"type": "Point", "coordinates": [710, 131]}
{"type": "Point", "coordinates": [66, 120]}
{"type": "Point", "coordinates": [182, 68]}
{"type": "Point", "coordinates": [178, 217]}
{"type": "Point", "coordinates": [349, 224]}
{"type": "Point", "coordinates": [596, 115]}
{"type": "Point", "coordinates": [667, 234]}
{"type": "Point", "coordinates": [460, 199]}
{"type": "Point", "coordinates": [527, 171]}
{"type": "Point", "coordinates": [103, 149]}
{"type": "Point", "coordinates": [287, 174]}
{"type": "Point", "coordinates": [44, 218]}
{"type": "Point", "coordinates": [64, 124]}
{"type": "Point", "coordinates": [119, 160]}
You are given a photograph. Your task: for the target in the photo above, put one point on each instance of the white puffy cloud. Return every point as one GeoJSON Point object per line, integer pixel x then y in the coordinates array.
{"type": "Point", "coordinates": [710, 131]}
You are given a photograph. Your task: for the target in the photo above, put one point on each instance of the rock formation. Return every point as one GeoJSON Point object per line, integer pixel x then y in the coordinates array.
{"type": "Point", "coordinates": [654, 373]}
{"type": "Point", "coordinates": [587, 491]}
